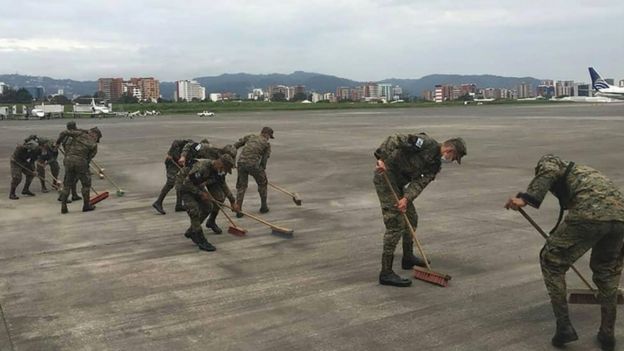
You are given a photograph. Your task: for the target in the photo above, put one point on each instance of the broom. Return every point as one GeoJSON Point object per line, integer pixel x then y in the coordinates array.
{"type": "Point", "coordinates": [277, 230]}
{"type": "Point", "coordinates": [424, 274]}
{"type": "Point", "coordinates": [120, 192]}
{"type": "Point", "coordinates": [576, 296]}
{"type": "Point", "coordinates": [295, 197]}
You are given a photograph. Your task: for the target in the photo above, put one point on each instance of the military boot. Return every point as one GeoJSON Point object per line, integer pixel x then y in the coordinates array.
{"type": "Point", "coordinates": [263, 203]}
{"type": "Point", "coordinates": [158, 207]}
{"type": "Point", "coordinates": [76, 197]}
{"type": "Point", "coordinates": [410, 260]}
{"type": "Point", "coordinates": [86, 206]}
{"type": "Point", "coordinates": [27, 192]}
{"type": "Point", "coordinates": [44, 189]}
{"type": "Point", "coordinates": [12, 195]}
{"type": "Point", "coordinates": [606, 334]}
{"type": "Point", "coordinates": [212, 224]}
{"type": "Point", "coordinates": [387, 276]}
{"type": "Point", "coordinates": [64, 209]}
{"type": "Point", "coordinates": [200, 240]}
{"type": "Point", "coordinates": [564, 334]}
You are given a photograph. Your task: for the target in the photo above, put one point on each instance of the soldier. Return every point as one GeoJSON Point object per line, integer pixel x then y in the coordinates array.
{"type": "Point", "coordinates": [65, 143]}
{"type": "Point", "coordinates": [198, 200]}
{"type": "Point", "coordinates": [411, 162]}
{"type": "Point", "coordinates": [220, 191]}
{"type": "Point", "coordinates": [172, 169]}
{"type": "Point", "coordinates": [190, 153]}
{"type": "Point", "coordinates": [48, 156]}
{"type": "Point", "coordinates": [253, 161]}
{"type": "Point", "coordinates": [595, 220]}
{"type": "Point", "coordinates": [23, 161]}
{"type": "Point", "coordinates": [81, 150]}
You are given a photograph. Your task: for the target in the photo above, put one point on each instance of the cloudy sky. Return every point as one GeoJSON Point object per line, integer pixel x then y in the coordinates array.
{"type": "Point", "coordinates": [356, 39]}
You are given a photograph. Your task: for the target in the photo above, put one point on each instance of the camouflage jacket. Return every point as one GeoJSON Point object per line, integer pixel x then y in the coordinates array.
{"type": "Point", "coordinates": [24, 156]}
{"type": "Point", "coordinates": [256, 151]}
{"type": "Point", "coordinates": [585, 192]}
{"type": "Point", "coordinates": [80, 147]}
{"type": "Point", "coordinates": [51, 151]}
{"type": "Point", "coordinates": [193, 150]}
{"type": "Point", "coordinates": [177, 147]}
{"type": "Point", "coordinates": [412, 161]}
{"type": "Point", "coordinates": [202, 175]}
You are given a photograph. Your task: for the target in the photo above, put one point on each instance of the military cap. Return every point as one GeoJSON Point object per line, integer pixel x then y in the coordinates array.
{"type": "Point", "coordinates": [269, 131]}
{"type": "Point", "coordinates": [229, 149]}
{"type": "Point", "coordinates": [71, 125]}
{"type": "Point", "coordinates": [228, 162]}
{"type": "Point", "coordinates": [204, 141]}
{"type": "Point", "coordinates": [460, 147]}
{"type": "Point", "coordinates": [31, 145]}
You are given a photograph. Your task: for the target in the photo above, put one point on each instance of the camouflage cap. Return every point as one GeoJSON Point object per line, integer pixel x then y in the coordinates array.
{"type": "Point", "coordinates": [227, 161]}
{"type": "Point", "coordinates": [460, 147]}
{"type": "Point", "coordinates": [268, 131]}
{"type": "Point", "coordinates": [97, 132]}
{"type": "Point", "coordinates": [229, 149]}
{"type": "Point", "coordinates": [71, 125]}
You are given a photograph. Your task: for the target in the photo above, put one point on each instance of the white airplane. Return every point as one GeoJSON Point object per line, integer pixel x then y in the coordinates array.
{"type": "Point", "coordinates": [101, 109]}
{"type": "Point", "coordinates": [605, 89]}
{"type": "Point", "coordinates": [135, 113]}
{"type": "Point", "coordinates": [206, 114]}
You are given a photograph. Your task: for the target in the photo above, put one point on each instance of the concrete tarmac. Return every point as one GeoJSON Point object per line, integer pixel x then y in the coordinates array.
{"type": "Point", "coordinates": [124, 277]}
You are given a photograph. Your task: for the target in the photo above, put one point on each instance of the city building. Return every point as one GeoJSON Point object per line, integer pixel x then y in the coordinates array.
{"type": "Point", "coordinates": [149, 87]}
{"type": "Point", "coordinates": [187, 90]}
{"type": "Point", "coordinates": [112, 88]}
{"type": "Point", "coordinates": [215, 97]}
{"type": "Point", "coordinates": [4, 88]}
{"type": "Point", "coordinates": [525, 91]}
{"type": "Point", "coordinates": [256, 94]}
{"type": "Point", "coordinates": [442, 93]}
{"type": "Point", "coordinates": [343, 93]}
{"type": "Point", "coordinates": [621, 83]}
{"type": "Point", "coordinates": [397, 92]}
{"type": "Point", "coordinates": [385, 91]}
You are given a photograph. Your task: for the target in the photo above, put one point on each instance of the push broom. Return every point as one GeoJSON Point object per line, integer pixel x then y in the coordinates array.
{"type": "Point", "coordinates": [295, 197]}
{"type": "Point", "coordinates": [120, 192]}
{"type": "Point", "coordinates": [576, 296]}
{"type": "Point", "coordinates": [424, 274]}
{"type": "Point", "coordinates": [277, 230]}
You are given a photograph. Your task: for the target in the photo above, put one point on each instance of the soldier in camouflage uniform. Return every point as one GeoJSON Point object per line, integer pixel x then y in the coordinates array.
{"type": "Point", "coordinates": [172, 169]}
{"type": "Point", "coordinates": [198, 201]}
{"type": "Point", "coordinates": [252, 161]}
{"type": "Point", "coordinates": [65, 143]}
{"type": "Point", "coordinates": [411, 162]}
{"type": "Point", "coordinates": [48, 156]}
{"type": "Point", "coordinates": [220, 190]}
{"type": "Point", "coordinates": [23, 161]}
{"type": "Point", "coordinates": [595, 221]}
{"type": "Point", "coordinates": [191, 152]}
{"type": "Point", "coordinates": [78, 155]}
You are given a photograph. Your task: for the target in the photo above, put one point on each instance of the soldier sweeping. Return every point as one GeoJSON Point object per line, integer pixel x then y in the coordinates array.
{"type": "Point", "coordinates": [595, 221]}
{"type": "Point", "coordinates": [198, 201]}
{"type": "Point", "coordinates": [65, 143]}
{"type": "Point", "coordinates": [252, 161]}
{"type": "Point", "coordinates": [173, 156]}
{"type": "Point", "coordinates": [23, 161]}
{"type": "Point", "coordinates": [411, 163]}
{"type": "Point", "coordinates": [48, 156]}
{"type": "Point", "coordinates": [81, 149]}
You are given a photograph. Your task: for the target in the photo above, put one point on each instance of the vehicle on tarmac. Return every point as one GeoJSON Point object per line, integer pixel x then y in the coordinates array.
{"type": "Point", "coordinates": [206, 114]}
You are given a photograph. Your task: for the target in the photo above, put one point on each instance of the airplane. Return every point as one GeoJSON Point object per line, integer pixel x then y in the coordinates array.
{"type": "Point", "coordinates": [605, 89]}
{"type": "Point", "coordinates": [102, 109]}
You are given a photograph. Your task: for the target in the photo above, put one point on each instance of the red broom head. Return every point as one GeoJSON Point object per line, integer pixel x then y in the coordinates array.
{"type": "Point", "coordinates": [432, 277]}
{"type": "Point", "coordinates": [97, 198]}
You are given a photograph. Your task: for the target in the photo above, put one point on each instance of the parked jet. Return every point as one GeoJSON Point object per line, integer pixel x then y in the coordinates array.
{"type": "Point", "coordinates": [603, 88]}
{"type": "Point", "coordinates": [99, 109]}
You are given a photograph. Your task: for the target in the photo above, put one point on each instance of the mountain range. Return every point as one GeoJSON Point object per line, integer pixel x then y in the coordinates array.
{"type": "Point", "coordinates": [242, 83]}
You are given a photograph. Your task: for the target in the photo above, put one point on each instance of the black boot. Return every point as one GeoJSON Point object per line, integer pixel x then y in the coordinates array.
{"type": "Point", "coordinates": [211, 223]}
{"type": "Point", "coordinates": [187, 234]}
{"type": "Point", "coordinates": [387, 276]}
{"type": "Point", "coordinates": [606, 334]}
{"type": "Point", "coordinates": [565, 333]}
{"type": "Point", "coordinates": [64, 209]}
{"type": "Point", "coordinates": [86, 206]}
{"type": "Point", "coordinates": [158, 207]}
{"type": "Point", "coordinates": [27, 191]}
{"type": "Point", "coordinates": [76, 197]}
{"type": "Point", "coordinates": [12, 195]}
{"type": "Point", "coordinates": [410, 260]}
{"type": "Point", "coordinates": [179, 206]}
{"type": "Point", "coordinates": [263, 204]}
{"type": "Point", "coordinates": [200, 240]}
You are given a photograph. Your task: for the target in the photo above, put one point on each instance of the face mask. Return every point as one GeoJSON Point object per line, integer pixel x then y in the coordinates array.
{"type": "Point", "coordinates": [221, 174]}
{"type": "Point", "coordinates": [443, 160]}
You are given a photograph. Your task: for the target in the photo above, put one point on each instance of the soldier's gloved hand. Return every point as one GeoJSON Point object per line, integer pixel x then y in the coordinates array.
{"type": "Point", "coordinates": [380, 167]}
{"type": "Point", "coordinates": [515, 203]}
{"type": "Point", "coordinates": [402, 205]}
{"type": "Point", "coordinates": [182, 161]}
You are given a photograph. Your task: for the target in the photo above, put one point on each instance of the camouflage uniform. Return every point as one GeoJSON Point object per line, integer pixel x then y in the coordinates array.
{"type": "Point", "coordinates": [66, 142]}
{"type": "Point", "coordinates": [595, 220]}
{"type": "Point", "coordinates": [23, 161]}
{"type": "Point", "coordinates": [202, 174]}
{"type": "Point", "coordinates": [252, 161]}
{"type": "Point", "coordinates": [412, 162]}
{"type": "Point", "coordinates": [78, 154]}
{"type": "Point", "coordinates": [49, 156]}
{"type": "Point", "coordinates": [172, 169]}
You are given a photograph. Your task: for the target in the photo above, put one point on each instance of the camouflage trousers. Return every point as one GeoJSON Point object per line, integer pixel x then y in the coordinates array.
{"type": "Point", "coordinates": [197, 210]}
{"type": "Point", "coordinates": [243, 178]}
{"type": "Point", "coordinates": [396, 228]}
{"type": "Point", "coordinates": [76, 170]}
{"type": "Point", "coordinates": [17, 169]}
{"type": "Point", "coordinates": [571, 241]}
{"type": "Point", "coordinates": [172, 176]}
{"type": "Point", "coordinates": [217, 193]}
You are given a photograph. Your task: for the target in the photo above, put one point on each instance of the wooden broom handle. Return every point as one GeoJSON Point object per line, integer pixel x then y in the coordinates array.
{"type": "Point", "coordinates": [407, 221]}
{"type": "Point", "coordinates": [281, 189]}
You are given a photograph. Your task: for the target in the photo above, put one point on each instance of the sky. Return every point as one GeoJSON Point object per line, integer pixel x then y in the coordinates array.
{"type": "Point", "coordinates": [363, 40]}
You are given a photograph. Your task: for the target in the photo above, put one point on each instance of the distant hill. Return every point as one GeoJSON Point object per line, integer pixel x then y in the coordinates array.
{"type": "Point", "coordinates": [242, 83]}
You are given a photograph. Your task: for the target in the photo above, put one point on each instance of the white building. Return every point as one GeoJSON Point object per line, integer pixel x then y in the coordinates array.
{"type": "Point", "coordinates": [188, 90]}
{"type": "Point", "coordinates": [216, 97]}
{"type": "Point", "coordinates": [316, 97]}
{"type": "Point", "coordinates": [3, 88]}
{"type": "Point", "coordinates": [385, 90]}
{"type": "Point", "coordinates": [256, 94]}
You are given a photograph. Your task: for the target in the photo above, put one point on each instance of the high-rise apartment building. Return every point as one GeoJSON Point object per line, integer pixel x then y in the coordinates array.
{"type": "Point", "coordinates": [525, 91]}
{"type": "Point", "coordinates": [111, 87]}
{"type": "Point", "coordinates": [149, 87]}
{"type": "Point", "coordinates": [188, 90]}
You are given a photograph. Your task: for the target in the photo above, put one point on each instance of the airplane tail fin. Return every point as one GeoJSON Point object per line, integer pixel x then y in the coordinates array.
{"type": "Point", "coordinates": [597, 81]}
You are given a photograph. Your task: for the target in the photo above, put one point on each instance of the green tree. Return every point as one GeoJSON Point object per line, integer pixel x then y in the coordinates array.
{"type": "Point", "coordinates": [279, 97]}
{"type": "Point", "coordinates": [299, 97]}
{"type": "Point", "coordinates": [128, 99]}
{"type": "Point", "coordinates": [23, 96]}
